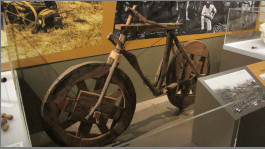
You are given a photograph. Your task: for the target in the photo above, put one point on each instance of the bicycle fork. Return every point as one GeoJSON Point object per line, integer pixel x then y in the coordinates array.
{"type": "Point", "coordinates": [116, 57]}
{"type": "Point", "coordinates": [115, 54]}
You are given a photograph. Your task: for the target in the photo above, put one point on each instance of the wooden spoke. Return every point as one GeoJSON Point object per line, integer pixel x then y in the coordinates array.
{"type": "Point", "coordinates": [116, 113]}
{"type": "Point", "coordinates": [17, 9]}
{"type": "Point", "coordinates": [188, 72]}
{"type": "Point", "coordinates": [12, 13]}
{"type": "Point", "coordinates": [82, 85]}
{"type": "Point", "coordinates": [103, 128]}
{"type": "Point", "coordinates": [26, 14]}
{"type": "Point", "coordinates": [197, 57]}
{"type": "Point", "coordinates": [71, 132]}
{"type": "Point", "coordinates": [27, 19]}
{"type": "Point", "coordinates": [54, 111]}
{"type": "Point", "coordinates": [198, 65]}
{"type": "Point", "coordinates": [24, 22]}
{"type": "Point", "coordinates": [84, 129]}
{"type": "Point", "coordinates": [99, 85]}
{"type": "Point", "coordinates": [16, 20]}
{"type": "Point", "coordinates": [115, 94]}
{"type": "Point", "coordinates": [17, 3]}
{"type": "Point", "coordinates": [66, 124]}
{"type": "Point", "coordinates": [66, 104]}
{"type": "Point", "coordinates": [205, 69]}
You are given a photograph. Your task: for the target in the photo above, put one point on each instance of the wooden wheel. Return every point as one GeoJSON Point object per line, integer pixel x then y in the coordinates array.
{"type": "Point", "coordinates": [179, 70]}
{"type": "Point", "coordinates": [20, 14]}
{"type": "Point", "coordinates": [70, 98]}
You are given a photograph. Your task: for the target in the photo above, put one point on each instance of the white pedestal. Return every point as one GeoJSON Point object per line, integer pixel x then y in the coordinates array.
{"type": "Point", "coordinates": [17, 134]}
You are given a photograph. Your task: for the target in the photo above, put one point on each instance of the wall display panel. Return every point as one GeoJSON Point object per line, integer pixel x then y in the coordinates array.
{"type": "Point", "coordinates": [197, 17]}
{"type": "Point", "coordinates": [83, 33]}
{"type": "Point", "coordinates": [56, 31]}
{"type": "Point", "coordinates": [70, 25]}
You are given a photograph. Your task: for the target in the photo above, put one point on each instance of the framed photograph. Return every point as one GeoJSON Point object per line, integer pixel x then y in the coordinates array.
{"type": "Point", "coordinates": [46, 32]}
{"type": "Point", "coordinates": [41, 32]}
{"type": "Point", "coordinates": [198, 17]}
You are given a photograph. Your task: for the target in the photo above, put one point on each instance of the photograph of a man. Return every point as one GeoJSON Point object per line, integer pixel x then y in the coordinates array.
{"type": "Point", "coordinates": [207, 15]}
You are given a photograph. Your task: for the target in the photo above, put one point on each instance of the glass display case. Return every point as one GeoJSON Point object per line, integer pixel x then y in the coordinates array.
{"type": "Point", "coordinates": [242, 32]}
{"type": "Point", "coordinates": [228, 112]}
{"type": "Point", "coordinates": [156, 122]}
{"type": "Point", "coordinates": [14, 132]}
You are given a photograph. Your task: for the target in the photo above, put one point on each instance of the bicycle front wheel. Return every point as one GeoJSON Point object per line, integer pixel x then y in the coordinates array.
{"type": "Point", "coordinates": [70, 98]}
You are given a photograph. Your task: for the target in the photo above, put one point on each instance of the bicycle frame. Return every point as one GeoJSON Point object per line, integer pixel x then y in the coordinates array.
{"type": "Point", "coordinates": [157, 88]}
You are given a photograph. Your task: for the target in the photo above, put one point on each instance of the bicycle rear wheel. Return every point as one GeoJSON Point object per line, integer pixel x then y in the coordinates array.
{"type": "Point", "coordinates": [183, 95]}
{"type": "Point", "coordinates": [70, 98]}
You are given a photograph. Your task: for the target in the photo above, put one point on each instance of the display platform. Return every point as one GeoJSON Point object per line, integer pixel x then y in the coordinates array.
{"type": "Point", "coordinates": [17, 134]}
{"type": "Point", "coordinates": [243, 96]}
{"type": "Point", "coordinates": [254, 48]}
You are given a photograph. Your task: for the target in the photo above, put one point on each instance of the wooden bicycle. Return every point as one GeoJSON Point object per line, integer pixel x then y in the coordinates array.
{"type": "Point", "coordinates": [92, 103]}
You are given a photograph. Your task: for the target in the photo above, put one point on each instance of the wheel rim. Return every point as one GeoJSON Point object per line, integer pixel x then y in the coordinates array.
{"type": "Point", "coordinates": [111, 124]}
{"type": "Point", "coordinates": [21, 15]}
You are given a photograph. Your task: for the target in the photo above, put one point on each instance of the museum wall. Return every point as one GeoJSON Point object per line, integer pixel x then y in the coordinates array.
{"type": "Point", "coordinates": [39, 78]}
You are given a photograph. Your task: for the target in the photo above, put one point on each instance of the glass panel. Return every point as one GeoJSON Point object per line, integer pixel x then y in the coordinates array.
{"type": "Point", "coordinates": [241, 24]}
{"type": "Point", "coordinates": [243, 35]}
{"type": "Point", "coordinates": [214, 128]}
{"type": "Point", "coordinates": [156, 117]}
{"type": "Point", "coordinates": [14, 131]}
{"type": "Point", "coordinates": [225, 108]}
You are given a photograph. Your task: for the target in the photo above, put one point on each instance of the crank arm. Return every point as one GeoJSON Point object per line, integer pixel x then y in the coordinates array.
{"type": "Point", "coordinates": [173, 85]}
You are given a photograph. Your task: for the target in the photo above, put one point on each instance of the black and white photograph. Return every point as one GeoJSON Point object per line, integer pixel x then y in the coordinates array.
{"type": "Point", "coordinates": [238, 86]}
{"type": "Point", "coordinates": [262, 76]}
{"type": "Point", "coordinates": [198, 17]}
